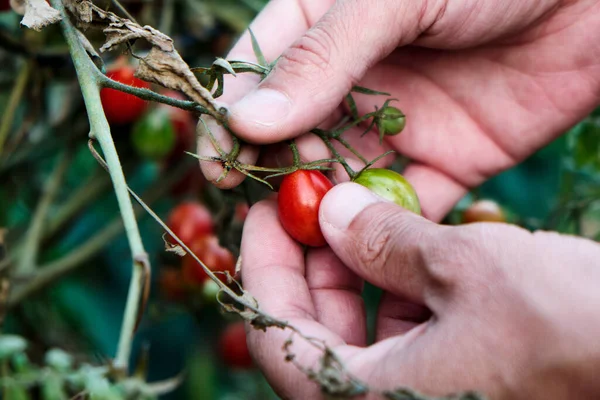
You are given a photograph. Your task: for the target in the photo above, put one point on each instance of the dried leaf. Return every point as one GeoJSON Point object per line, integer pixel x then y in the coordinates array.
{"type": "Point", "coordinates": [238, 265]}
{"type": "Point", "coordinates": [162, 65]}
{"type": "Point", "coordinates": [173, 248]}
{"type": "Point", "coordinates": [38, 13]}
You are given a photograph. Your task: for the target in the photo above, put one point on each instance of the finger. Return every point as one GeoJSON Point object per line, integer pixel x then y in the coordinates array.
{"type": "Point", "coordinates": [318, 70]}
{"type": "Point", "coordinates": [273, 272]}
{"type": "Point", "coordinates": [214, 170]}
{"type": "Point", "coordinates": [276, 27]}
{"type": "Point", "coordinates": [379, 240]}
{"type": "Point", "coordinates": [396, 316]}
{"type": "Point", "coordinates": [336, 293]}
{"type": "Point", "coordinates": [437, 192]}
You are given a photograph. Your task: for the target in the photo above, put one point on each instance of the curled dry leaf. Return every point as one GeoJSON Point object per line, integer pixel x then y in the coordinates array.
{"type": "Point", "coordinates": [174, 248]}
{"type": "Point", "coordinates": [162, 65]}
{"type": "Point", "coordinates": [37, 13]}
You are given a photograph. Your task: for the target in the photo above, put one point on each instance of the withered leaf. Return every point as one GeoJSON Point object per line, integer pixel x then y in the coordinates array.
{"type": "Point", "coordinates": [37, 13]}
{"type": "Point", "coordinates": [162, 65]}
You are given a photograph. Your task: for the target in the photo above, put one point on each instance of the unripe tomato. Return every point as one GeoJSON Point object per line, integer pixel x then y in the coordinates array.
{"type": "Point", "coordinates": [299, 198]}
{"type": "Point", "coordinates": [483, 211]}
{"type": "Point", "coordinates": [391, 186]}
{"type": "Point", "coordinates": [189, 221]}
{"type": "Point", "coordinates": [233, 347]}
{"type": "Point", "coordinates": [153, 135]}
{"type": "Point", "coordinates": [171, 284]}
{"type": "Point", "coordinates": [392, 122]}
{"type": "Point", "coordinates": [215, 257]}
{"type": "Point", "coordinates": [120, 107]}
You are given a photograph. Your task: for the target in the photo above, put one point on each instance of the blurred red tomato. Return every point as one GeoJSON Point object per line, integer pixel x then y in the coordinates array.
{"type": "Point", "coordinates": [241, 211]}
{"type": "Point", "coordinates": [171, 284]}
{"type": "Point", "coordinates": [120, 107]}
{"type": "Point", "coordinates": [233, 347]}
{"type": "Point", "coordinates": [215, 257]}
{"type": "Point", "coordinates": [190, 221]}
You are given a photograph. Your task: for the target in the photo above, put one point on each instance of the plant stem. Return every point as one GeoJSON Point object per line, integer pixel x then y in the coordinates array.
{"type": "Point", "coordinates": [27, 262]}
{"type": "Point", "coordinates": [87, 74]}
{"type": "Point", "coordinates": [13, 102]}
{"type": "Point", "coordinates": [324, 135]}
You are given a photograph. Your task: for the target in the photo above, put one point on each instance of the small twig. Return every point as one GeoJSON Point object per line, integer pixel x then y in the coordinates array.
{"type": "Point", "coordinates": [123, 11]}
{"type": "Point", "coordinates": [13, 102]}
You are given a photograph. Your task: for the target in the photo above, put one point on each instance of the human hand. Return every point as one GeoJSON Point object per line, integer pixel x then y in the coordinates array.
{"type": "Point", "coordinates": [487, 306]}
{"type": "Point", "coordinates": [483, 83]}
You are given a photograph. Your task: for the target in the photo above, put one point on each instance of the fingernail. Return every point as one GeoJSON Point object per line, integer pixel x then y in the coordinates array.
{"type": "Point", "coordinates": [263, 107]}
{"type": "Point", "coordinates": [344, 202]}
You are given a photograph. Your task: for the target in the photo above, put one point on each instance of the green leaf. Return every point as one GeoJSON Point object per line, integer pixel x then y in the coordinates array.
{"type": "Point", "coordinates": [13, 391]}
{"type": "Point", "coordinates": [260, 57]}
{"type": "Point", "coordinates": [11, 344]}
{"type": "Point", "coordinates": [584, 143]}
{"type": "Point", "coordinates": [364, 90]}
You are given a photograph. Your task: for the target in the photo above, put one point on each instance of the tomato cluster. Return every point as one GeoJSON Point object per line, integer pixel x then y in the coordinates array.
{"type": "Point", "coordinates": [158, 131]}
{"type": "Point", "coordinates": [193, 223]}
{"type": "Point", "coordinates": [301, 192]}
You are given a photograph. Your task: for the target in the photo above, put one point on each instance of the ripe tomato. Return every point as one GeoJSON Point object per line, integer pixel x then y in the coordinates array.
{"type": "Point", "coordinates": [153, 135]}
{"type": "Point", "coordinates": [300, 195]}
{"type": "Point", "coordinates": [120, 107]}
{"type": "Point", "coordinates": [241, 211]}
{"type": "Point", "coordinates": [215, 257]}
{"type": "Point", "coordinates": [483, 211]}
{"type": "Point", "coordinates": [189, 221]}
{"type": "Point", "coordinates": [392, 122]}
{"type": "Point", "coordinates": [233, 347]}
{"type": "Point", "coordinates": [171, 284]}
{"type": "Point", "coordinates": [391, 186]}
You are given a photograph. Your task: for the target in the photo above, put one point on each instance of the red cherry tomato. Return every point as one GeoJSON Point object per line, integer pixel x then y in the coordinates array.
{"type": "Point", "coordinates": [483, 211]}
{"type": "Point", "coordinates": [215, 257]}
{"type": "Point", "coordinates": [300, 195]}
{"type": "Point", "coordinates": [189, 221]}
{"type": "Point", "coordinates": [233, 347]}
{"type": "Point", "coordinates": [171, 284]}
{"type": "Point", "coordinates": [241, 211]}
{"type": "Point", "coordinates": [120, 107]}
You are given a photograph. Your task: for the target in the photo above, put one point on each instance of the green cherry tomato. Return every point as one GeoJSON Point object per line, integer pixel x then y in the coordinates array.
{"type": "Point", "coordinates": [153, 135]}
{"type": "Point", "coordinates": [391, 186]}
{"type": "Point", "coordinates": [392, 122]}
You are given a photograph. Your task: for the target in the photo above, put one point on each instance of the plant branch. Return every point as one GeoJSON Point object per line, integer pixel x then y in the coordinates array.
{"type": "Point", "coordinates": [33, 238]}
{"type": "Point", "coordinates": [13, 102]}
{"type": "Point", "coordinates": [87, 73]}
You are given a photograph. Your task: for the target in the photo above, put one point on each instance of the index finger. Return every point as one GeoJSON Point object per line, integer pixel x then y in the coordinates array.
{"type": "Point", "coordinates": [279, 24]}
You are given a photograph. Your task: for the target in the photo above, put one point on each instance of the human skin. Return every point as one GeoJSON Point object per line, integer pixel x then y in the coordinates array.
{"type": "Point", "coordinates": [486, 306]}
{"type": "Point", "coordinates": [483, 83]}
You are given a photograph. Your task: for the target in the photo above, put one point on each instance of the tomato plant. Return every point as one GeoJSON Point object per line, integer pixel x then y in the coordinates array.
{"type": "Point", "coordinates": [215, 257]}
{"type": "Point", "coordinates": [233, 347]}
{"type": "Point", "coordinates": [391, 186]}
{"type": "Point", "coordinates": [189, 221]}
{"type": "Point", "coordinates": [120, 107]}
{"type": "Point", "coordinates": [153, 135]}
{"type": "Point", "coordinates": [483, 211]}
{"type": "Point", "coordinates": [300, 195]}
{"type": "Point", "coordinates": [392, 122]}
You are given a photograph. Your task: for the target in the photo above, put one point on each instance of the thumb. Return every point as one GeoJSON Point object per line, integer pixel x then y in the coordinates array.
{"type": "Point", "coordinates": [380, 241]}
{"type": "Point", "coordinates": [312, 77]}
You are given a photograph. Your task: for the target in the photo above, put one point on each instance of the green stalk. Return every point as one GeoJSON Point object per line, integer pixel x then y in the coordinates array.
{"type": "Point", "coordinates": [87, 74]}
